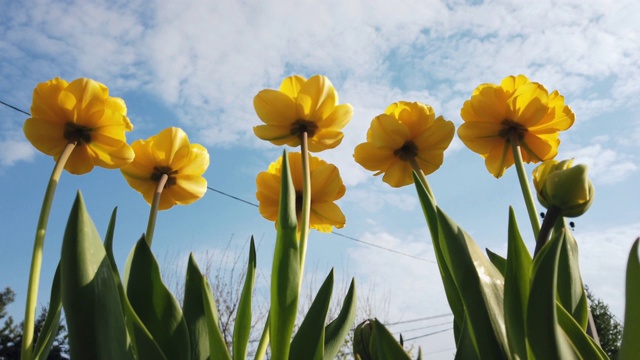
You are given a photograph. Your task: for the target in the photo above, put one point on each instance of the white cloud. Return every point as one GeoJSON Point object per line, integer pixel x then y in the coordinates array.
{"type": "Point", "coordinates": [605, 165]}
{"type": "Point", "coordinates": [12, 150]}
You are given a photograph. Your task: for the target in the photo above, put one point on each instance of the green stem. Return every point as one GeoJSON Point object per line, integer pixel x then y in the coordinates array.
{"type": "Point", "coordinates": [36, 257]}
{"type": "Point", "coordinates": [264, 340]}
{"type": "Point", "coordinates": [423, 179]}
{"type": "Point", "coordinates": [524, 185]}
{"type": "Point", "coordinates": [153, 212]}
{"type": "Point", "coordinates": [306, 201]}
{"type": "Point", "coordinates": [550, 219]}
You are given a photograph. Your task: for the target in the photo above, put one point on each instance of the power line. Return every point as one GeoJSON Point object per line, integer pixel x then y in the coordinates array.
{"type": "Point", "coordinates": [419, 319]}
{"type": "Point", "coordinates": [429, 334]}
{"type": "Point", "coordinates": [256, 205]}
{"type": "Point", "coordinates": [14, 108]}
{"type": "Point", "coordinates": [423, 327]}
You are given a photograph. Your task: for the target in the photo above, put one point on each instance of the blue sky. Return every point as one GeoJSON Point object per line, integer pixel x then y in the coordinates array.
{"type": "Point", "coordinates": [197, 64]}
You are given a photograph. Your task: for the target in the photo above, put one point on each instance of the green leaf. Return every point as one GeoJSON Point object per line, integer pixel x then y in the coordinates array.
{"type": "Point", "coordinates": [546, 339]}
{"type": "Point", "coordinates": [498, 261]}
{"type": "Point", "coordinates": [143, 343]}
{"type": "Point", "coordinates": [285, 272]}
{"type": "Point", "coordinates": [571, 294]}
{"type": "Point", "coordinates": [481, 288]}
{"type": "Point", "coordinates": [217, 345]}
{"type": "Point", "coordinates": [465, 347]}
{"type": "Point", "coordinates": [51, 322]}
{"type": "Point", "coordinates": [242, 327]}
{"type": "Point", "coordinates": [95, 321]}
{"type": "Point", "coordinates": [383, 346]}
{"type": "Point", "coordinates": [338, 329]}
{"type": "Point", "coordinates": [308, 343]}
{"type": "Point", "coordinates": [582, 343]}
{"type": "Point", "coordinates": [154, 304]}
{"type": "Point", "coordinates": [431, 215]}
{"type": "Point", "coordinates": [630, 346]}
{"type": "Point", "coordinates": [193, 308]}
{"type": "Point", "coordinates": [516, 289]}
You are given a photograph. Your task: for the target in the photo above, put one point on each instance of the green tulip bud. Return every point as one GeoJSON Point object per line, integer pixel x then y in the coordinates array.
{"type": "Point", "coordinates": [563, 186]}
{"type": "Point", "coordinates": [361, 340]}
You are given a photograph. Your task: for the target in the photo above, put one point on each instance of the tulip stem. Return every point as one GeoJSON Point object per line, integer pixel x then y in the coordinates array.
{"type": "Point", "coordinates": [36, 258]}
{"type": "Point", "coordinates": [153, 213]}
{"type": "Point", "coordinates": [423, 179]}
{"type": "Point", "coordinates": [524, 185]}
{"type": "Point", "coordinates": [306, 201]}
{"type": "Point", "coordinates": [550, 220]}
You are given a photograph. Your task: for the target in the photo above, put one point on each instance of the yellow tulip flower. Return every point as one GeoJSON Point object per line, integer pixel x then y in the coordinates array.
{"type": "Point", "coordinates": [326, 187]}
{"type": "Point", "coordinates": [516, 110]}
{"type": "Point", "coordinates": [302, 105]}
{"type": "Point", "coordinates": [168, 153]}
{"type": "Point", "coordinates": [80, 112]}
{"type": "Point", "coordinates": [406, 137]}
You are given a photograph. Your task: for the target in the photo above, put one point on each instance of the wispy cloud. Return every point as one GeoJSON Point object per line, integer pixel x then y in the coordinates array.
{"type": "Point", "coordinates": [605, 164]}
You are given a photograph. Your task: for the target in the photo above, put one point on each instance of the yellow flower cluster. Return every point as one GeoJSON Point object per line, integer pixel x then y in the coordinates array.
{"type": "Point", "coordinates": [83, 114]}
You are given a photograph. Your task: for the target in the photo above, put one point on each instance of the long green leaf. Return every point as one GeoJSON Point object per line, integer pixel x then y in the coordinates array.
{"type": "Point", "coordinates": [582, 343]}
{"type": "Point", "coordinates": [451, 291]}
{"type": "Point", "coordinates": [143, 343]}
{"type": "Point", "coordinates": [308, 343]}
{"type": "Point", "coordinates": [95, 322]}
{"type": "Point", "coordinates": [630, 346]}
{"type": "Point", "coordinates": [242, 327]}
{"type": "Point", "coordinates": [571, 294]}
{"type": "Point", "coordinates": [193, 308]}
{"type": "Point", "coordinates": [383, 346]}
{"type": "Point", "coordinates": [338, 329]}
{"type": "Point", "coordinates": [546, 339]}
{"type": "Point", "coordinates": [465, 347]}
{"type": "Point", "coordinates": [51, 322]}
{"type": "Point", "coordinates": [481, 287]}
{"type": "Point", "coordinates": [154, 304]}
{"type": "Point", "coordinates": [498, 261]}
{"type": "Point", "coordinates": [516, 289]}
{"type": "Point", "coordinates": [285, 272]}
{"type": "Point", "coordinates": [217, 345]}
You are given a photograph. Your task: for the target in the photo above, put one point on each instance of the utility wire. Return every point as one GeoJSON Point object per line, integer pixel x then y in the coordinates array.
{"type": "Point", "coordinates": [423, 327]}
{"type": "Point", "coordinates": [419, 319]}
{"type": "Point", "coordinates": [256, 205]}
{"type": "Point", "coordinates": [14, 108]}
{"type": "Point", "coordinates": [429, 334]}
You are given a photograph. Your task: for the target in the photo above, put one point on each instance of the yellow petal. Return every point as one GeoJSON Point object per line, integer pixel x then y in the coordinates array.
{"type": "Point", "coordinates": [275, 108]}
{"type": "Point", "coordinates": [316, 99]}
{"type": "Point", "coordinates": [511, 83]}
{"type": "Point", "coordinates": [44, 135]}
{"type": "Point", "coordinates": [108, 152]}
{"type": "Point", "coordinates": [539, 147]}
{"type": "Point", "coordinates": [528, 105]}
{"type": "Point", "coordinates": [170, 147]}
{"type": "Point", "coordinates": [398, 174]}
{"type": "Point", "coordinates": [327, 184]}
{"type": "Point", "coordinates": [325, 139]}
{"type": "Point", "coordinates": [373, 158]}
{"type": "Point", "coordinates": [437, 138]}
{"type": "Point", "coordinates": [481, 137]}
{"type": "Point", "coordinates": [292, 85]}
{"type": "Point", "coordinates": [80, 162]}
{"type": "Point", "coordinates": [326, 213]}
{"type": "Point", "coordinates": [188, 188]}
{"type": "Point", "coordinates": [279, 135]}
{"type": "Point", "coordinates": [388, 132]}
{"type": "Point", "coordinates": [499, 159]}
{"type": "Point", "coordinates": [45, 101]}
{"type": "Point", "coordinates": [488, 105]}
{"type": "Point", "coordinates": [338, 118]}
{"type": "Point", "coordinates": [197, 161]}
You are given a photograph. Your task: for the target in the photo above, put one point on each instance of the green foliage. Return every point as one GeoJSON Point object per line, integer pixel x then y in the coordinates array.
{"type": "Point", "coordinates": [11, 334]}
{"type": "Point", "coordinates": [609, 329]}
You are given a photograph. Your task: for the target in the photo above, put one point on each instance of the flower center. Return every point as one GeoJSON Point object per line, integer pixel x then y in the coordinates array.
{"type": "Point", "coordinates": [300, 126]}
{"type": "Point", "coordinates": [408, 151]}
{"type": "Point", "coordinates": [510, 128]}
{"type": "Point", "coordinates": [158, 171]}
{"type": "Point", "coordinates": [75, 133]}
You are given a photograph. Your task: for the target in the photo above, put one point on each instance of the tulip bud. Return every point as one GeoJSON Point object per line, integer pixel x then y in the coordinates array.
{"type": "Point", "coordinates": [564, 187]}
{"type": "Point", "coordinates": [361, 339]}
